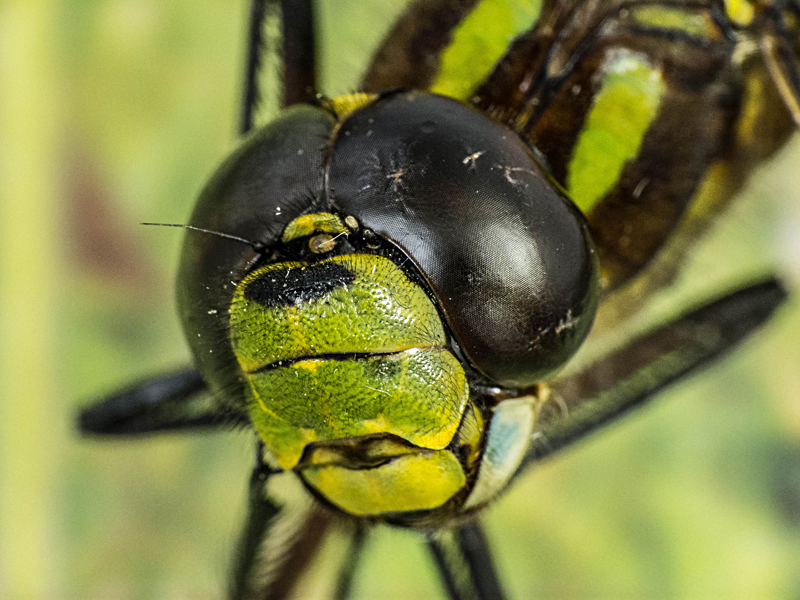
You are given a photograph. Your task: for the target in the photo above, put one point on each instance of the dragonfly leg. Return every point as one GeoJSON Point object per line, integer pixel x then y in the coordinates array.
{"type": "Point", "coordinates": [299, 51]}
{"type": "Point", "coordinates": [464, 561]}
{"type": "Point", "coordinates": [255, 42]}
{"type": "Point", "coordinates": [175, 401]}
{"type": "Point", "coordinates": [278, 540]}
{"type": "Point", "coordinates": [344, 582]}
{"type": "Point", "coordinates": [298, 54]}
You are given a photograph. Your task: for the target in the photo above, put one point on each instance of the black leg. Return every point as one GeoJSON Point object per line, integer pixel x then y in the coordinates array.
{"type": "Point", "coordinates": [629, 377]}
{"type": "Point", "coordinates": [299, 51]}
{"type": "Point", "coordinates": [255, 42]}
{"type": "Point", "coordinates": [344, 583]}
{"type": "Point", "coordinates": [171, 402]}
{"type": "Point", "coordinates": [279, 538]}
{"type": "Point", "coordinates": [262, 512]}
{"type": "Point", "coordinates": [298, 55]}
{"type": "Point", "coordinates": [465, 563]}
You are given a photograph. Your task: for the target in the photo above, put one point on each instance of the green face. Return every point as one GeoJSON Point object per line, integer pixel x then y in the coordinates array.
{"type": "Point", "coordinates": [350, 348]}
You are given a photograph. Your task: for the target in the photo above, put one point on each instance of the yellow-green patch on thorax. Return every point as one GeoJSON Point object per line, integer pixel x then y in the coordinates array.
{"type": "Point", "coordinates": [691, 22]}
{"type": "Point", "coordinates": [623, 110]}
{"type": "Point", "coordinates": [479, 41]}
{"type": "Point", "coordinates": [740, 12]}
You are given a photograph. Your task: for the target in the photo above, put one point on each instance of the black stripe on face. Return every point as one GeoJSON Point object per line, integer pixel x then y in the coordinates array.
{"type": "Point", "coordinates": [290, 287]}
{"type": "Point", "coordinates": [384, 370]}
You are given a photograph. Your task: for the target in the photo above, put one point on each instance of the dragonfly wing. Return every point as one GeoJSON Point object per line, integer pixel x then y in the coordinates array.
{"type": "Point", "coordinates": [629, 377]}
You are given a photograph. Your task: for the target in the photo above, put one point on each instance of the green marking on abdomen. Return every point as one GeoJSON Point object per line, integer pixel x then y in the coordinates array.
{"type": "Point", "coordinates": [671, 19]}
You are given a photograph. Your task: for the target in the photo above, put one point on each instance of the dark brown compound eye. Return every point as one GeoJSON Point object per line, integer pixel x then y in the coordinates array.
{"type": "Point", "coordinates": [275, 176]}
{"type": "Point", "coordinates": [506, 253]}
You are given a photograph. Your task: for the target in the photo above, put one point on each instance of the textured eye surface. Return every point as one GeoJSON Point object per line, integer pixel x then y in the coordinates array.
{"type": "Point", "coordinates": [271, 179]}
{"type": "Point", "coordinates": [507, 255]}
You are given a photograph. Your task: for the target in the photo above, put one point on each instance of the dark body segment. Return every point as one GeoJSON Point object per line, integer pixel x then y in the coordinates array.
{"type": "Point", "coordinates": [697, 109]}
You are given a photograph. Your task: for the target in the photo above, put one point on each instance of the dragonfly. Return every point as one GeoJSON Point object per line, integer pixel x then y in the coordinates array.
{"type": "Point", "coordinates": [545, 104]}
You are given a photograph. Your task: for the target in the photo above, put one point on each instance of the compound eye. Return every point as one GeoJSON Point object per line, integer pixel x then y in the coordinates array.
{"type": "Point", "coordinates": [266, 184]}
{"type": "Point", "coordinates": [505, 252]}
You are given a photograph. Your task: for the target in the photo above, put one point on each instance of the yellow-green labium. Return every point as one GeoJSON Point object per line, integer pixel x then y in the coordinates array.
{"type": "Point", "coordinates": [479, 41]}
{"type": "Point", "coordinates": [417, 481]}
{"type": "Point", "coordinates": [418, 395]}
{"type": "Point", "coordinates": [344, 347]}
{"type": "Point", "coordinates": [623, 109]}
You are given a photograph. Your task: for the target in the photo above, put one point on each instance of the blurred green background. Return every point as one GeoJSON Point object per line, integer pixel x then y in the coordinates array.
{"type": "Point", "coordinates": [115, 112]}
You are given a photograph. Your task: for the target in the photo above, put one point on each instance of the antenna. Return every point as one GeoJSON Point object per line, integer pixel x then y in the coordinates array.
{"type": "Point", "coordinates": [257, 246]}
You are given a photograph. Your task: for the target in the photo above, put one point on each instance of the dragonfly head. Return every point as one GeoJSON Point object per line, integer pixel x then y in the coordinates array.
{"type": "Point", "coordinates": [415, 273]}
